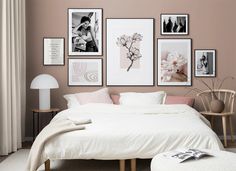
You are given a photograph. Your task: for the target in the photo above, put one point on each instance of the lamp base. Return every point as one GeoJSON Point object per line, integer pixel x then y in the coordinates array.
{"type": "Point", "coordinates": [44, 99]}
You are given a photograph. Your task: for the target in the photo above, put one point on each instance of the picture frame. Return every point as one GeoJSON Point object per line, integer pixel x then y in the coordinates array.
{"type": "Point", "coordinates": [130, 63]}
{"type": "Point", "coordinates": [53, 51]}
{"type": "Point", "coordinates": [85, 72]}
{"type": "Point", "coordinates": [85, 31]}
{"type": "Point", "coordinates": [174, 24]}
{"type": "Point", "coordinates": [205, 62]}
{"type": "Point", "coordinates": [174, 62]}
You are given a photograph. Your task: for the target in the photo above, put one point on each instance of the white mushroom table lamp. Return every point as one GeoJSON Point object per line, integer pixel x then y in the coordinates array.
{"type": "Point", "coordinates": [44, 82]}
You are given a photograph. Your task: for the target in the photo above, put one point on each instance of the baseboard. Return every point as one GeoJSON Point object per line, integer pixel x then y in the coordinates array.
{"type": "Point", "coordinates": [228, 137]}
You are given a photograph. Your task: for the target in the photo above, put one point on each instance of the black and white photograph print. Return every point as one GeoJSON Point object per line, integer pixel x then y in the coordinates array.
{"type": "Point", "coordinates": [85, 31]}
{"type": "Point", "coordinates": [174, 24]}
{"type": "Point", "coordinates": [205, 63]}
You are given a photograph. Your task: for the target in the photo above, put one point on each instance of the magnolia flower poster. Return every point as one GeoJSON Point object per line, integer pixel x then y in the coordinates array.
{"type": "Point", "coordinates": [130, 52]}
{"type": "Point", "coordinates": [174, 62]}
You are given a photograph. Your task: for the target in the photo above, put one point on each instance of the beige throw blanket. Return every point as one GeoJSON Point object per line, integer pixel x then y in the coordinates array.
{"type": "Point", "coordinates": [54, 128]}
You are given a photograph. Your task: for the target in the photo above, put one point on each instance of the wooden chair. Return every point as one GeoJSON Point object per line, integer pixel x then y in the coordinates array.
{"type": "Point", "coordinates": [227, 96]}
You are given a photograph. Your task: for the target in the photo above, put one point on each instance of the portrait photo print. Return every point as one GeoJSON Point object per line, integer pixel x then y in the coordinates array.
{"type": "Point", "coordinates": [85, 31]}
{"type": "Point", "coordinates": [174, 24]}
{"type": "Point", "coordinates": [205, 62]}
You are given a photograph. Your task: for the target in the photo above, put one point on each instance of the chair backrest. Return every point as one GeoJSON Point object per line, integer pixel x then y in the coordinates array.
{"type": "Point", "coordinates": [227, 96]}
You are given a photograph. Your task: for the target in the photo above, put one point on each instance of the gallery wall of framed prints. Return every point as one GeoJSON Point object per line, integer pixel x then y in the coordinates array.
{"type": "Point", "coordinates": [130, 55]}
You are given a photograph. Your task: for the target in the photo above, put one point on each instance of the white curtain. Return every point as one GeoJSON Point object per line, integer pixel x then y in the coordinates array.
{"type": "Point", "coordinates": [12, 75]}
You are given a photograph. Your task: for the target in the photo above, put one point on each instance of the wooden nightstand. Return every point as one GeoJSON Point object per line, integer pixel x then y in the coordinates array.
{"type": "Point", "coordinates": [37, 112]}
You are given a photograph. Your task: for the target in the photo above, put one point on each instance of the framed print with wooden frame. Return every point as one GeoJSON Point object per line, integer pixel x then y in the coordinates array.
{"type": "Point", "coordinates": [85, 72]}
{"type": "Point", "coordinates": [205, 63]}
{"type": "Point", "coordinates": [130, 51]}
{"type": "Point", "coordinates": [174, 62]}
{"type": "Point", "coordinates": [85, 31]}
{"type": "Point", "coordinates": [53, 51]}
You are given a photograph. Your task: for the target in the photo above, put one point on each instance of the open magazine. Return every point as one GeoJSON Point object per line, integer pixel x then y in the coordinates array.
{"type": "Point", "coordinates": [183, 155]}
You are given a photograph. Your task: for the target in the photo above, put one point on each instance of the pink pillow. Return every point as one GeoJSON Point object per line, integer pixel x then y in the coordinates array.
{"type": "Point", "coordinates": [179, 100]}
{"type": "Point", "coordinates": [99, 96]}
{"type": "Point", "coordinates": [115, 98]}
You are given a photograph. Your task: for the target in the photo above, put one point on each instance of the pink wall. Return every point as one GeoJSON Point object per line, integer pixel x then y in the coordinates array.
{"type": "Point", "coordinates": [212, 25]}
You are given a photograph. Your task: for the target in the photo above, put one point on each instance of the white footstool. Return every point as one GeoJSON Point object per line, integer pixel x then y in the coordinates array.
{"type": "Point", "coordinates": [221, 161]}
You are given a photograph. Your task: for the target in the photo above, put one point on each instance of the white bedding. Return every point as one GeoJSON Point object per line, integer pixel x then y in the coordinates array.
{"type": "Point", "coordinates": [125, 132]}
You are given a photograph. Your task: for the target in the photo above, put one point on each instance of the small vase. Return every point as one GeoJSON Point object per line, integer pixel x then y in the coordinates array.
{"type": "Point", "coordinates": [217, 106]}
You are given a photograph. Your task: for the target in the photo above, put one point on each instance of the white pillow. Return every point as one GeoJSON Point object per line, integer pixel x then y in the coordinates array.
{"type": "Point", "coordinates": [133, 98]}
{"type": "Point", "coordinates": [71, 100]}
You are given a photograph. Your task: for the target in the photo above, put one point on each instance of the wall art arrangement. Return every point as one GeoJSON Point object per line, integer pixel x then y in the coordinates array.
{"type": "Point", "coordinates": [174, 62]}
{"type": "Point", "coordinates": [84, 72]}
{"type": "Point", "coordinates": [85, 31]}
{"type": "Point", "coordinates": [205, 62]}
{"type": "Point", "coordinates": [130, 52]}
{"type": "Point", "coordinates": [174, 24]}
{"type": "Point", "coordinates": [53, 51]}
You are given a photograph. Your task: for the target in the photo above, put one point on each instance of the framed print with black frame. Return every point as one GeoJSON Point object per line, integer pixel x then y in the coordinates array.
{"type": "Point", "coordinates": [174, 24]}
{"type": "Point", "coordinates": [53, 51]}
{"type": "Point", "coordinates": [85, 72]}
{"type": "Point", "coordinates": [174, 62]}
{"type": "Point", "coordinates": [130, 52]}
{"type": "Point", "coordinates": [85, 31]}
{"type": "Point", "coordinates": [205, 62]}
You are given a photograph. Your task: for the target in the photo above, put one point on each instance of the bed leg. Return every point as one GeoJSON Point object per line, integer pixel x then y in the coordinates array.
{"type": "Point", "coordinates": [122, 165]}
{"type": "Point", "coordinates": [133, 164]}
{"type": "Point", "coordinates": [47, 165]}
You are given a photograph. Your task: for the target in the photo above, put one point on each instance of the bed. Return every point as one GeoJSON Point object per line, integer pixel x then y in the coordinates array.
{"type": "Point", "coordinates": [129, 132]}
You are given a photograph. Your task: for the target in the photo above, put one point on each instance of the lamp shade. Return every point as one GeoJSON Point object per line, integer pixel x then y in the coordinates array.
{"type": "Point", "coordinates": [44, 81]}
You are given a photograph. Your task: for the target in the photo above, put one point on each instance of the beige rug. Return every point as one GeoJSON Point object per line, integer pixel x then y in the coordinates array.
{"type": "Point", "coordinates": [17, 161]}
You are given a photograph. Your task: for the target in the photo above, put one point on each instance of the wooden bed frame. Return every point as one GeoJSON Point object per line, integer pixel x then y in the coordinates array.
{"type": "Point", "coordinates": [122, 165]}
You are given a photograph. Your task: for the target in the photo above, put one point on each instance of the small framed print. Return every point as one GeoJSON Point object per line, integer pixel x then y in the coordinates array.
{"type": "Point", "coordinates": [174, 24]}
{"type": "Point", "coordinates": [85, 31]}
{"type": "Point", "coordinates": [53, 51]}
{"type": "Point", "coordinates": [205, 62]}
{"type": "Point", "coordinates": [130, 51]}
{"type": "Point", "coordinates": [84, 72]}
{"type": "Point", "coordinates": [174, 62]}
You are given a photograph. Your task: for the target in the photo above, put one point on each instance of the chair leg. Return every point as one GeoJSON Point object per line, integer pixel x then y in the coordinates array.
{"type": "Point", "coordinates": [122, 165]}
{"type": "Point", "coordinates": [47, 165]}
{"type": "Point", "coordinates": [224, 130]}
{"type": "Point", "coordinates": [133, 164]}
{"type": "Point", "coordinates": [231, 129]}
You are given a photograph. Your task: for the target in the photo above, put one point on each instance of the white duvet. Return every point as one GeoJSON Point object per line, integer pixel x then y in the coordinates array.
{"type": "Point", "coordinates": [125, 132]}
